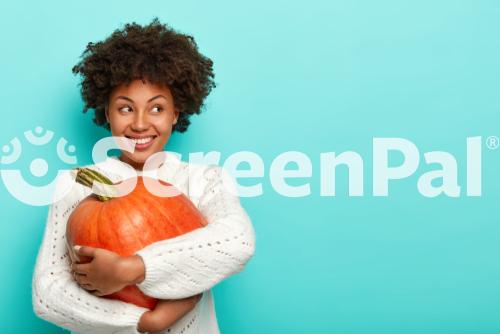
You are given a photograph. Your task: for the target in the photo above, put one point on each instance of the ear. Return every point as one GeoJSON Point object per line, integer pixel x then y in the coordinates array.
{"type": "Point", "coordinates": [106, 113]}
{"type": "Point", "coordinates": [176, 116]}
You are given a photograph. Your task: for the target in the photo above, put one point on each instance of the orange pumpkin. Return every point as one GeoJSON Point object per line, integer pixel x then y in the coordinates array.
{"type": "Point", "coordinates": [127, 224]}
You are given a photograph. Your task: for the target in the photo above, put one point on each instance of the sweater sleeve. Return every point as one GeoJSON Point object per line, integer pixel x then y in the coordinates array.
{"type": "Point", "coordinates": [196, 261]}
{"type": "Point", "coordinates": [57, 297]}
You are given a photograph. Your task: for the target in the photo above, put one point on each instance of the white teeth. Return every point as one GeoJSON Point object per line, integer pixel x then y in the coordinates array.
{"type": "Point", "coordinates": [142, 141]}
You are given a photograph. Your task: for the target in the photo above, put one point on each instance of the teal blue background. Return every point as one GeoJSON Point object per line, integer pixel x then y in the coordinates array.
{"type": "Point", "coordinates": [313, 76]}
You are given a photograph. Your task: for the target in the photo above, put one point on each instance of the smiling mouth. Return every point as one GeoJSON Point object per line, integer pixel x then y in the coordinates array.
{"type": "Point", "coordinates": [143, 141]}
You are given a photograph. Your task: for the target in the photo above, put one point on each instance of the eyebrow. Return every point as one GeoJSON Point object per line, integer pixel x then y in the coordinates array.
{"type": "Point", "coordinates": [129, 99]}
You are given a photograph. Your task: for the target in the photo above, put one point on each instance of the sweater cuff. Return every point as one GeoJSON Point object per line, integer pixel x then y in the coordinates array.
{"type": "Point", "coordinates": [151, 273]}
{"type": "Point", "coordinates": [134, 317]}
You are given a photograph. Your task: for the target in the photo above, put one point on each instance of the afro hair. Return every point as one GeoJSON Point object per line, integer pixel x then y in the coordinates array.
{"type": "Point", "coordinates": [155, 53]}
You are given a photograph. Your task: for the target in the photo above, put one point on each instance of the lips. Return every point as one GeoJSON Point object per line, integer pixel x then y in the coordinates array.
{"type": "Point", "coordinates": [142, 142]}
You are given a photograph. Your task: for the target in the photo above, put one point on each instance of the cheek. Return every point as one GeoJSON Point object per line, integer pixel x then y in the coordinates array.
{"type": "Point", "coordinates": [116, 131]}
{"type": "Point", "coordinates": [117, 125]}
{"type": "Point", "coordinates": [164, 127]}
{"type": "Point", "coordinates": [164, 136]}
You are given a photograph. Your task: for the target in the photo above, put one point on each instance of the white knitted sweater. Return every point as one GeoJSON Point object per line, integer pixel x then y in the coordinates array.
{"type": "Point", "coordinates": [176, 268]}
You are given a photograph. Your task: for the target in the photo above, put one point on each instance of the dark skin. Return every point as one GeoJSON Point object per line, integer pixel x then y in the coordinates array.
{"type": "Point", "coordinates": [136, 110]}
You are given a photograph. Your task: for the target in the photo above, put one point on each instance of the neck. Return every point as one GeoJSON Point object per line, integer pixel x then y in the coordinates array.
{"type": "Point", "coordinates": [136, 165]}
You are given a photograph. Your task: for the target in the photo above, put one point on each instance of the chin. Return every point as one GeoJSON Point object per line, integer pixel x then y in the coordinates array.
{"type": "Point", "coordinates": [133, 158]}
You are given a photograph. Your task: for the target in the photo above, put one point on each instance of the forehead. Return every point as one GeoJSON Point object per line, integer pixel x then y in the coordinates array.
{"type": "Point", "coordinates": [140, 89]}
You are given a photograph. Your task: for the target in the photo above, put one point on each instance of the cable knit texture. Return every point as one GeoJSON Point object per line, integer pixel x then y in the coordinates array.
{"type": "Point", "coordinates": [175, 268]}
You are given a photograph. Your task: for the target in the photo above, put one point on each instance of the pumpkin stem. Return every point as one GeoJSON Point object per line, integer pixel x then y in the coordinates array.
{"type": "Point", "coordinates": [86, 176]}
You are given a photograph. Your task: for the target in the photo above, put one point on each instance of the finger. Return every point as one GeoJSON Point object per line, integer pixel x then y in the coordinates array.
{"type": "Point", "coordinates": [75, 275]}
{"type": "Point", "coordinates": [88, 287]}
{"type": "Point", "coordinates": [72, 257]}
{"type": "Point", "coordinates": [81, 268]}
{"type": "Point", "coordinates": [81, 279]}
{"type": "Point", "coordinates": [97, 293]}
{"type": "Point", "coordinates": [85, 251]}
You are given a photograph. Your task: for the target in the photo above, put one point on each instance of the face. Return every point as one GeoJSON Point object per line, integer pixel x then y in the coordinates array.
{"type": "Point", "coordinates": [144, 112]}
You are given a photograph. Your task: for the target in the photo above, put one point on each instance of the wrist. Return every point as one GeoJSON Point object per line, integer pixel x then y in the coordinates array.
{"type": "Point", "coordinates": [133, 269]}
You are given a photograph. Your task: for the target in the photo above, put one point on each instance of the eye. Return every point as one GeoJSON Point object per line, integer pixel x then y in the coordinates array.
{"type": "Point", "coordinates": [157, 109]}
{"type": "Point", "coordinates": [125, 109]}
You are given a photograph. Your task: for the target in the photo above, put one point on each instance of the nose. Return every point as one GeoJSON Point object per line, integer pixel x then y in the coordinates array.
{"type": "Point", "coordinates": [140, 122]}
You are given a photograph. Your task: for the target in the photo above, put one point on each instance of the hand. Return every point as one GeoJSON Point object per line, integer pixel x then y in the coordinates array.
{"type": "Point", "coordinates": [103, 272]}
{"type": "Point", "coordinates": [166, 314]}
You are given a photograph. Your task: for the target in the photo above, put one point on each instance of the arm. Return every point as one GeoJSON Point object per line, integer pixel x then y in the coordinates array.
{"type": "Point", "coordinates": [195, 262]}
{"type": "Point", "coordinates": [166, 314]}
{"type": "Point", "coordinates": [108, 268]}
{"type": "Point", "coordinates": [56, 296]}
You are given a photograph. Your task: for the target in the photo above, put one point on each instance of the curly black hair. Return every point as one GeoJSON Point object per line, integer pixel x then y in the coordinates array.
{"type": "Point", "coordinates": [154, 52]}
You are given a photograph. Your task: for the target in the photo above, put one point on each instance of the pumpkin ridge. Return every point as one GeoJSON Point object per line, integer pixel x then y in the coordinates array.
{"type": "Point", "coordinates": [156, 228]}
{"type": "Point", "coordinates": [98, 216]}
{"type": "Point", "coordinates": [158, 207]}
{"type": "Point", "coordinates": [125, 212]}
{"type": "Point", "coordinates": [106, 215]}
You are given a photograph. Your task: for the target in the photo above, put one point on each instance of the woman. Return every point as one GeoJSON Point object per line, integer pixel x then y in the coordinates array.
{"type": "Point", "coordinates": [144, 83]}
